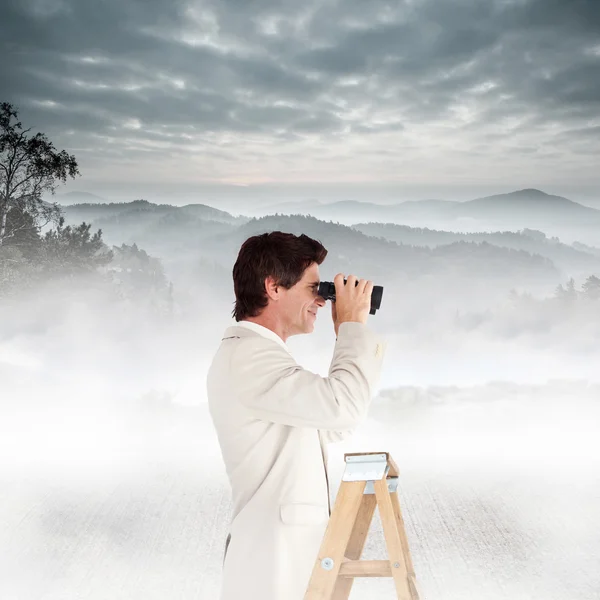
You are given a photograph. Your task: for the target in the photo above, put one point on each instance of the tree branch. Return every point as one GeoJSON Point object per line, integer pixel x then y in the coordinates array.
{"type": "Point", "coordinates": [21, 159]}
{"type": "Point", "coordinates": [12, 191]}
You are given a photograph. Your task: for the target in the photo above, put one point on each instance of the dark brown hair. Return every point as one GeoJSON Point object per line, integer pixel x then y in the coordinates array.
{"type": "Point", "coordinates": [283, 256]}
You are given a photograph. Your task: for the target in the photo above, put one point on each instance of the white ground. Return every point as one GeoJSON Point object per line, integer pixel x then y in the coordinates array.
{"type": "Point", "coordinates": [500, 489]}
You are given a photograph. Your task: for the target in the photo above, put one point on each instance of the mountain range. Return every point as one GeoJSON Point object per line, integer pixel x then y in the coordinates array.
{"type": "Point", "coordinates": [216, 234]}
{"type": "Point", "coordinates": [528, 207]}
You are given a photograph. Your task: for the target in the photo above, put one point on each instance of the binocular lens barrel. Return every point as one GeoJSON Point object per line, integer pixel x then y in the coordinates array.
{"type": "Point", "coordinates": [327, 292]}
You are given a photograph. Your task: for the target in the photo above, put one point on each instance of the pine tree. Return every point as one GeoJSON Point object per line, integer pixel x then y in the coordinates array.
{"type": "Point", "coordinates": [71, 250]}
{"type": "Point", "coordinates": [591, 287]}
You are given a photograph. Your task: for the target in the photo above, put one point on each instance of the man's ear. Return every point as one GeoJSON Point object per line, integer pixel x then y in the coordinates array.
{"type": "Point", "coordinates": [272, 288]}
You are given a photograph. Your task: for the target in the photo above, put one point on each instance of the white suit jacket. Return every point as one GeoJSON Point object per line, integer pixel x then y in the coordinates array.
{"type": "Point", "coordinates": [273, 421]}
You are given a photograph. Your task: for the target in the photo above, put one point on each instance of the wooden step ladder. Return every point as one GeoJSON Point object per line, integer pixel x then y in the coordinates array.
{"type": "Point", "coordinates": [369, 480]}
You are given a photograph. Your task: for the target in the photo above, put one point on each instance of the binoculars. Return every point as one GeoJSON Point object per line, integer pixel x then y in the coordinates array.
{"type": "Point", "coordinates": [327, 292]}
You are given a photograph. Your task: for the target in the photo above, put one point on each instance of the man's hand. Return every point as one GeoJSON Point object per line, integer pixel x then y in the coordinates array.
{"type": "Point", "coordinates": [353, 302]}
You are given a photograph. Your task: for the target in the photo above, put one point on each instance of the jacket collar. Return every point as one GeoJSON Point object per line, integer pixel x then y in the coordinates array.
{"type": "Point", "coordinates": [249, 329]}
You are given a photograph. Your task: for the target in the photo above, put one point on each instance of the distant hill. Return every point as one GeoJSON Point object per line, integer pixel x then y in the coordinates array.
{"type": "Point", "coordinates": [69, 198]}
{"type": "Point", "coordinates": [529, 202]}
{"type": "Point", "coordinates": [154, 226]}
{"type": "Point", "coordinates": [352, 250]}
{"type": "Point", "coordinates": [204, 211]}
{"type": "Point", "coordinates": [295, 207]}
{"type": "Point", "coordinates": [567, 257]}
{"type": "Point", "coordinates": [91, 212]}
{"type": "Point", "coordinates": [527, 208]}
{"type": "Point", "coordinates": [118, 212]}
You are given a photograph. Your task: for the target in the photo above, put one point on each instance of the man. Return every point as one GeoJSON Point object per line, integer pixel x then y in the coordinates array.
{"type": "Point", "coordinates": [274, 419]}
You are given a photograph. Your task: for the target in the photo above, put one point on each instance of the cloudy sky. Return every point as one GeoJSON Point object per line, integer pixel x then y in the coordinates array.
{"type": "Point", "coordinates": [404, 100]}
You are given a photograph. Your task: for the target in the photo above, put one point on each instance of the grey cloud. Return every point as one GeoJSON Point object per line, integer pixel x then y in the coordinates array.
{"type": "Point", "coordinates": [283, 70]}
{"type": "Point", "coordinates": [577, 84]}
{"type": "Point", "coordinates": [579, 16]}
{"type": "Point", "coordinates": [335, 61]}
{"type": "Point", "coordinates": [589, 133]}
{"type": "Point", "coordinates": [270, 118]}
{"type": "Point", "coordinates": [377, 127]}
{"type": "Point", "coordinates": [86, 25]}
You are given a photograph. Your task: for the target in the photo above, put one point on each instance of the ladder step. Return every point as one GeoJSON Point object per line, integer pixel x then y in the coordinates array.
{"type": "Point", "coordinates": [365, 568]}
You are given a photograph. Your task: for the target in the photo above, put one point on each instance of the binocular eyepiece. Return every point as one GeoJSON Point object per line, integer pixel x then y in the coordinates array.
{"type": "Point", "coordinates": [327, 291]}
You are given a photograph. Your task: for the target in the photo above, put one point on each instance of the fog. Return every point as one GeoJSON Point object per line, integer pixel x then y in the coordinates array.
{"type": "Point", "coordinates": [111, 478]}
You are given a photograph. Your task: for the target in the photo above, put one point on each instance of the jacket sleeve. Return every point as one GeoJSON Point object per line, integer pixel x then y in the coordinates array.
{"type": "Point", "coordinates": [329, 436]}
{"type": "Point", "coordinates": [274, 387]}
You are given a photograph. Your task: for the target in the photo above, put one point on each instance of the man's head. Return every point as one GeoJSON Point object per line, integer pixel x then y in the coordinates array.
{"type": "Point", "coordinates": [275, 280]}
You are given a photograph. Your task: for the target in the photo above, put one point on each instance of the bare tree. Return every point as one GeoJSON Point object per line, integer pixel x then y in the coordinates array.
{"type": "Point", "coordinates": [29, 166]}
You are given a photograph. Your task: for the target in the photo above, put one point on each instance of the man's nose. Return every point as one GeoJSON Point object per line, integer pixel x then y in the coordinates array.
{"type": "Point", "coordinates": [321, 301]}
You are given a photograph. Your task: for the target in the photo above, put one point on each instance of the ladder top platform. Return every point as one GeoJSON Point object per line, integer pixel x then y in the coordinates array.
{"type": "Point", "coordinates": [392, 470]}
